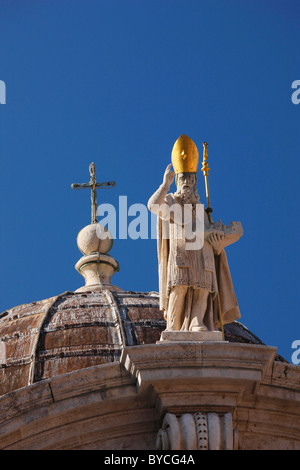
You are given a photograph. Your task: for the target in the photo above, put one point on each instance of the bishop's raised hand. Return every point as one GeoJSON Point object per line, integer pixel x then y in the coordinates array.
{"type": "Point", "coordinates": [168, 177]}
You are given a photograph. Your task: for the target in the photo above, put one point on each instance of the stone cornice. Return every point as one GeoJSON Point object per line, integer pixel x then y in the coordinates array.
{"type": "Point", "coordinates": [106, 405]}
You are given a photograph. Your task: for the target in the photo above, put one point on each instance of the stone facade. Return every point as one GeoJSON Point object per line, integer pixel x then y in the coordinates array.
{"type": "Point", "coordinates": [124, 405]}
{"type": "Point", "coordinates": [87, 371]}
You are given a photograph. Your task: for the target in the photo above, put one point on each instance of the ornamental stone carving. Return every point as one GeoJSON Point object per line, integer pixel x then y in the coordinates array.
{"type": "Point", "coordinates": [198, 431]}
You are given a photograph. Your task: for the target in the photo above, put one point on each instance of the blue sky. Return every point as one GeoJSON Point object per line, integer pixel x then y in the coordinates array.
{"type": "Point", "coordinates": [117, 82]}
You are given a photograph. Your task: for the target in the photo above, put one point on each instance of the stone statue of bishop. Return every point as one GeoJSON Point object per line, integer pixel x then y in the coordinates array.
{"type": "Point", "coordinates": [191, 279]}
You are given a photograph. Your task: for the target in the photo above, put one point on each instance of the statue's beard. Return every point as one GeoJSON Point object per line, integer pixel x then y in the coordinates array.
{"type": "Point", "coordinates": [185, 196]}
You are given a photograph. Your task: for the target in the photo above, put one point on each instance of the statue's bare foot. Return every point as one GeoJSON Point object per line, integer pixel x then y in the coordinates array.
{"type": "Point", "coordinates": [199, 328]}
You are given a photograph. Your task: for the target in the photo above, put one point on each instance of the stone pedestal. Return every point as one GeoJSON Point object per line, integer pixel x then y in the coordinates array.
{"type": "Point", "coordinates": [97, 270]}
{"type": "Point", "coordinates": [186, 336]}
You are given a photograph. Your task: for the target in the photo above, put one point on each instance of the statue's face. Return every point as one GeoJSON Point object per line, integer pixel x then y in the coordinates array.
{"type": "Point", "coordinates": [186, 182]}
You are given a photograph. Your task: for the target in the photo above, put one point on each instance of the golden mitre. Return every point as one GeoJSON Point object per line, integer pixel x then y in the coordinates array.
{"type": "Point", "coordinates": [185, 155]}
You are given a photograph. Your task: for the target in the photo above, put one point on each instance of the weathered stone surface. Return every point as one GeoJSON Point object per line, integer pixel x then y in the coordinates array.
{"type": "Point", "coordinates": [73, 331]}
{"type": "Point", "coordinates": [68, 383]}
{"type": "Point", "coordinates": [122, 405]}
{"type": "Point", "coordinates": [181, 336]}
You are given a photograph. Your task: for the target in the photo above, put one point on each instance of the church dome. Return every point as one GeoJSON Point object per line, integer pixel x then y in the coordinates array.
{"type": "Point", "coordinates": [73, 331]}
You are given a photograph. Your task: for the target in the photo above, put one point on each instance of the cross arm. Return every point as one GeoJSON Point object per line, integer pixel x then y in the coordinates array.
{"type": "Point", "coordinates": [108, 183]}
{"type": "Point", "coordinates": [80, 186]}
{"type": "Point", "coordinates": [90, 185]}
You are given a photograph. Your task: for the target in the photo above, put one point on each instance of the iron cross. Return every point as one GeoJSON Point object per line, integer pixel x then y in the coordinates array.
{"type": "Point", "coordinates": [93, 185]}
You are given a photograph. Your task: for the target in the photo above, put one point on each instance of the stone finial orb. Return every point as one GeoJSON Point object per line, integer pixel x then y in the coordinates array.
{"type": "Point", "coordinates": [94, 238]}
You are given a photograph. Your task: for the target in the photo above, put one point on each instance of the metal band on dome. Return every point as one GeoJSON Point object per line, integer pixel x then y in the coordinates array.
{"type": "Point", "coordinates": [98, 261]}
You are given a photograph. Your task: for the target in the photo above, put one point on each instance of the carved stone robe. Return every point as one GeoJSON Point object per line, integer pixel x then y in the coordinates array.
{"type": "Point", "coordinates": [193, 268]}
